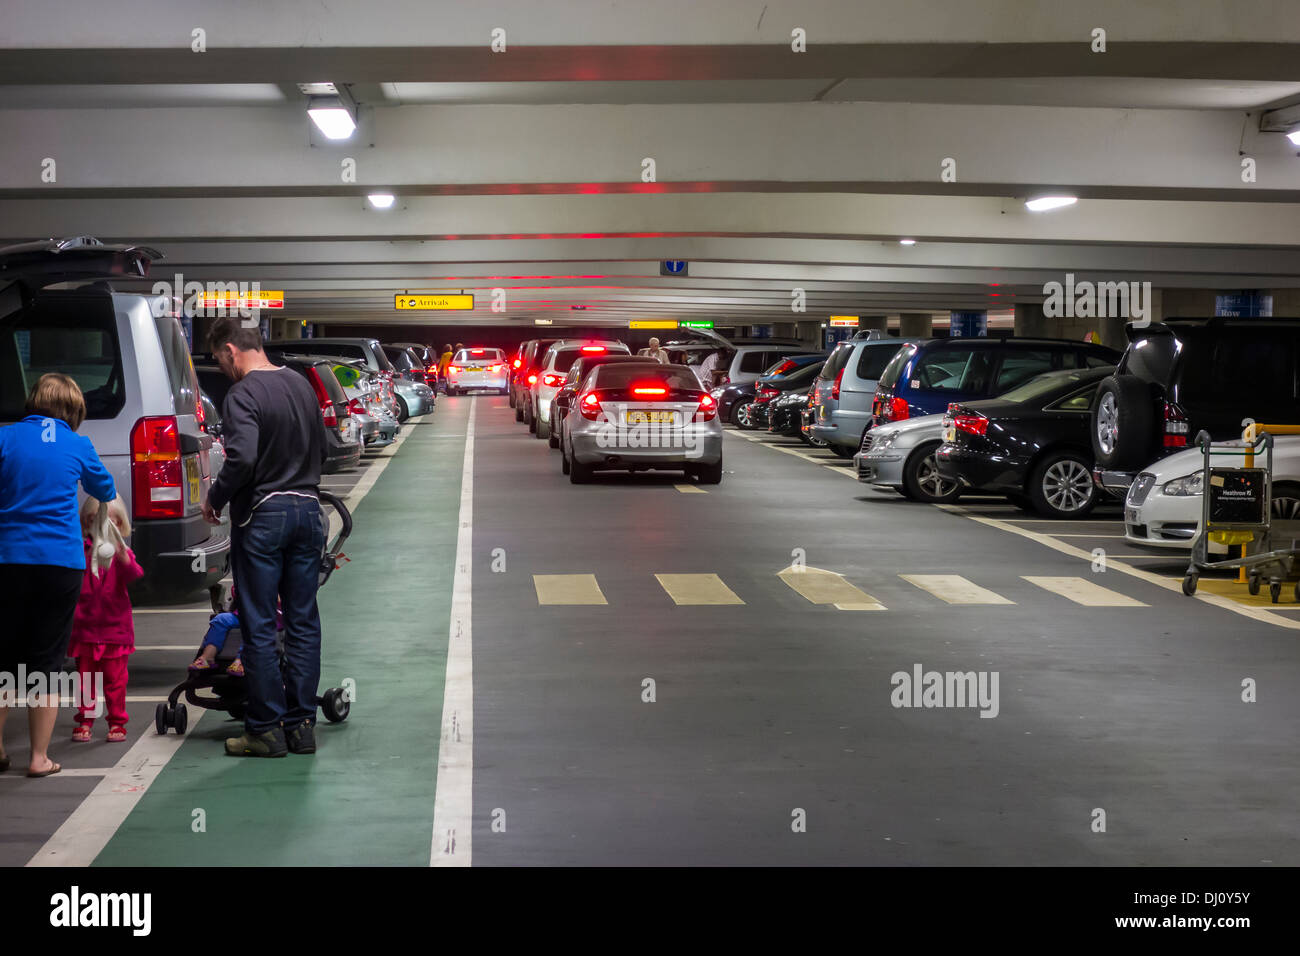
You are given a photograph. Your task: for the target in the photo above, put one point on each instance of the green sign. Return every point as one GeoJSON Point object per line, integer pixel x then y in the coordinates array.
{"type": "Point", "coordinates": [688, 324]}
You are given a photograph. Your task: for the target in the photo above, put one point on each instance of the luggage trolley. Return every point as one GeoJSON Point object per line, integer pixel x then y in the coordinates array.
{"type": "Point", "coordinates": [1236, 508]}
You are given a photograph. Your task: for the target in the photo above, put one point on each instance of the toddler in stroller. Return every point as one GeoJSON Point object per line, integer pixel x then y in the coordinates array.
{"type": "Point", "coordinates": [217, 666]}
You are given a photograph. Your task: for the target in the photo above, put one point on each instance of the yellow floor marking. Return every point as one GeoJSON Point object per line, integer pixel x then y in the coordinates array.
{"type": "Point", "coordinates": [568, 589]}
{"type": "Point", "coordinates": [1083, 591]}
{"type": "Point", "coordinates": [697, 589]}
{"type": "Point", "coordinates": [690, 490]}
{"type": "Point", "coordinates": [1234, 591]}
{"type": "Point", "coordinates": [955, 589]}
{"type": "Point", "coordinates": [827, 587]}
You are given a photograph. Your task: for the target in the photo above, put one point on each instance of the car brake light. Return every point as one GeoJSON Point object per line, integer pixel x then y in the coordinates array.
{"type": "Point", "coordinates": [532, 379]}
{"type": "Point", "coordinates": [589, 406]}
{"type": "Point", "coordinates": [1176, 426]}
{"type": "Point", "coordinates": [593, 348]}
{"type": "Point", "coordinates": [452, 370]}
{"type": "Point", "coordinates": [708, 408]}
{"type": "Point", "coordinates": [835, 389]}
{"type": "Point", "coordinates": [330, 417]}
{"type": "Point", "coordinates": [650, 391]}
{"type": "Point", "coordinates": [518, 363]}
{"type": "Point", "coordinates": [495, 368]}
{"type": "Point", "coordinates": [783, 368]}
{"type": "Point", "coordinates": [765, 392]}
{"type": "Point", "coordinates": [156, 468]}
{"type": "Point", "coordinates": [964, 420]}
{"type": "Point", "coordinates": [552, 381]}
{"type": "Point", "coordinates": [356, 408]}
{"type": "Point", "coordinates": [475, 351]}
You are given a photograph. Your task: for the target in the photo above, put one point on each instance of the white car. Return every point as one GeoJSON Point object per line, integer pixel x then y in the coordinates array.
{"type": "Point", "coordinates": [1163, 506]}
{"type": "Point", "coordinates": [552, 371]}
{"type": "Point", "coordinates": [478, 368]}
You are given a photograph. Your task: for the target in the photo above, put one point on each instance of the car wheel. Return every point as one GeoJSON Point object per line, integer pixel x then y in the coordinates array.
{"type": "Point", "coordinates": [579, 474]}
{"type": "Point", "coordinates": [842, 451]}
{"type": "Point", "coordinates": [403, 411]}
{"type": "Point", "coordinates": [742, 417]}
{"type": "Point", "coordinates": [734, 417]}
{"type": "Point", "coordinates": [564, 461]}
{"type": "Point", "coordinates": [531, 419]}
{"type": "Point", "coordinates": [709, 474]}
{"type": "Point", "coordinates": [543, 429]}
{"type": "Point", "coordinates": [922, 480]}
{"type": "Point", "coordinates": [553, 438]}
{"type": "Point", "coordinates": [519, 410]}
{"type": "Point", "coordinates": [1062, 486]}
{"type": "Point", "coordinates": [511, 393]}
{"type": "Point", "coordinates": [1123, 423]}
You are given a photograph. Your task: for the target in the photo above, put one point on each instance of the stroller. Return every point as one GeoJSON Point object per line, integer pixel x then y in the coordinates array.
{"type": "Point", "coordinates": [230, 689]}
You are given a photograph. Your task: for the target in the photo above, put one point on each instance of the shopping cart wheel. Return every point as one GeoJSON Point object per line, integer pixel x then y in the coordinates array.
{"type": "Point", "coordinates": [1252, 583]}
{"type": "Point", "coordinates": [1189, 584]}
{"type": "Point", "coordinates": [1274, 591]}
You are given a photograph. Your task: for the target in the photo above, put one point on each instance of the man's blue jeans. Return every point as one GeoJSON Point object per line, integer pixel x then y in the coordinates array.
{"type": "Point", "coordinates": [278, 553]}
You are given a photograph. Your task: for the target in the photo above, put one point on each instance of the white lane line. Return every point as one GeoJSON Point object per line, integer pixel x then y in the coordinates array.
{"type": "Point", "coordinates": [1114, 564]}
{"type": "Point", "coordinates": [1082, 591]}
{"type": "Point", "coordinates": [453, 801]}
{"type": "Point", "coordinates": [955, 589]}
{"type": "Point", "coordinates": [846, 470]}
{"type": "Point", "coordinates": [88, 828]}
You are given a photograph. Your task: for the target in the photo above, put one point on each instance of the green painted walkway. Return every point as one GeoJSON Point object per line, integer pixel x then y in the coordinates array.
{"type": "Point", "coordinates": [366, 797]}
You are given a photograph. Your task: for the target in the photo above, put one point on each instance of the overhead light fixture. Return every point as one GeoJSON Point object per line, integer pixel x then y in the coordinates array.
{"type": "Point", "coordinates": [381, 200]}
{"type": "Point", "coordinates": [1043, 203]}
{"type": "Point", "coordinates": [335, 116]}
{"type": "Point", "coordinates": [907, 242]}
{"type": "Point", "coordinates": [1285, 120]}
{"type": "Point", "coordinates": [1294, 136]}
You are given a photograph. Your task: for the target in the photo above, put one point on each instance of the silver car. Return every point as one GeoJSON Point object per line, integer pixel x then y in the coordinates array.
{"type": "Point", "coordinates": [637, 417]}
{"type": "Point", "coordinates": [413, 398]}
{"type": "Point", "coordinates": [842, 394]}
{"type": "Point", "coordinates": [901, 456]}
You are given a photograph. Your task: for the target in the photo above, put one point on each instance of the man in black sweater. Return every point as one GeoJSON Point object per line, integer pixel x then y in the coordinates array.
{"type": "Point", "coordinates": [275, 443]}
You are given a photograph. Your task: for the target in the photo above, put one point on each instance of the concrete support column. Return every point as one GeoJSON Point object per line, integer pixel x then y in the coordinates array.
{"type": "Point", "coordinates": [1186, 303]}
{"type": "Point", "coordinates": [880, 322]}
{"type": "Point", "coordinates": [810, 333]}
{"type": "Point", "coordinates": [916, 325]}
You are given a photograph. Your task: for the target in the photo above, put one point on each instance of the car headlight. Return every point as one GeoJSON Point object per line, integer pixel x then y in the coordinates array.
{"type": "Point", "coordinates": [1185, 486]}
{"type": "Point", "coordinates": [881, 442]}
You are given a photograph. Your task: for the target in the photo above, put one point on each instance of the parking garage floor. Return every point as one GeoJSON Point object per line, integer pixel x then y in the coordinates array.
{"type": "Point", "coordinates": [655, 672]}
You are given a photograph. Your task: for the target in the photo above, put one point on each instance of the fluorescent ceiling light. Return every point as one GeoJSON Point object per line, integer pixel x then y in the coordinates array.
{"type": "Point", "coordinates": [381, 200]}
{"type": "Point", "coordinates": [907, 242]}
{"type": "Point", "coordinates": [1043, 203]}
{"type": "Point", "coordinates": [1294, 136]}
{"type": "Point", "coordinates": [331, 117]}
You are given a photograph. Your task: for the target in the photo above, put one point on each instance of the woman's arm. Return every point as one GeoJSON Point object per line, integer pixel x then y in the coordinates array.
{"type": "Point", "coordinates": [94, 476]}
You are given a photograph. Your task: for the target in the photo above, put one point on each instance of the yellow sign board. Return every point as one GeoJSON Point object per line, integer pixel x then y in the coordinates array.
{"type": "Point", "coordinates": [844, 321]}
{"type": "Point", "coordinates": [262, 299]}
{"type": "Point", "coordinates": [652, 324]}
{"type": "Point", "coordinates": [433, 303]}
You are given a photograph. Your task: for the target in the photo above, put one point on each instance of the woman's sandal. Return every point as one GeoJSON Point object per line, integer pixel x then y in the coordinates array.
{"type": "Point", "coordinates": [200, 665]}
{"type": "Point", "coordinates": [45, 773]}
{"type": "Point", "coordinates": [116, 734]}
{"type": "Point", "coordinates": [81, 735]}
{"type": "Point", "coordinates": [236, 668]}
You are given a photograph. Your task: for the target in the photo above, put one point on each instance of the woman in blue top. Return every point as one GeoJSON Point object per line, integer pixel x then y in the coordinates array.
{"type": "Point", "coordinates": [42, 555]}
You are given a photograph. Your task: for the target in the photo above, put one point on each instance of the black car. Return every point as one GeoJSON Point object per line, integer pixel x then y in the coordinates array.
{"type": "Point", "coordinates": [786, 415]}
{"type": "Point", "coordinates": [772, 387]}
{"type": "Point", "coordinates": [1181, 376]}
{"type": "Point", "coordinates": [732, 399]}
{"type": "Point", "coordinates": [577, 372]}
{"type": "Point", "coordinates": [530, 360]}
{"type": "Point", "coordinates": [1030, 443]}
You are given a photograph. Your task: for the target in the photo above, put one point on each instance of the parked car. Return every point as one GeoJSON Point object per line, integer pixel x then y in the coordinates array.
{"type": "Point", "coordinates": [635, 417]}
{"type": "Point", "coordinates": [844, 390]}
{"type": "Point", "coordinates": [426, 355]}
{"type": "Point", "coordinates": [1163, 505]}
{"type": "Point", "coordinates": [379, 426]}
{"type": "Point", "coordinates": [925, 377]}
{"type": "Point", "coordinates": [750, 360]}
{"type": "Point", "coordinates": [901, 456]}
{"type": "Point", "coordinates": [1030, 443]}
{"type": "Point", "coordinates": [365, 349]}
{"type": "Point", "coordinates": [144, 412]}
{"type": "Point", "coordinates": [550, 374]}
{"type": "Point", "coordinates": [785, 417]}
{"type": "Point", "coordinates": [788, 374]}
{"type": "Point", "coordinates": [531, 356]}
{"type": "Point", "coordinates": [1182, 376]}
{"type": "Point", "coordinates": [414, 395]}
{"type": "Point", "coordinates": [573, 378]}
{"type": "Point", "coordinates": [732, 400]}
{"type": "Point", "coordinates": [478, 368]}
{"type": "Point", "coordinates": [413, 398]}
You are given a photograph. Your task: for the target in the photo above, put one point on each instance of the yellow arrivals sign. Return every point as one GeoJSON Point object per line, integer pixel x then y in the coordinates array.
{"type": "Point", "coordinates": [433, 303]}
{"type": "Point", "coordinates": [844, 321]}
{"type": "Point", "coordinates": [652, 324]}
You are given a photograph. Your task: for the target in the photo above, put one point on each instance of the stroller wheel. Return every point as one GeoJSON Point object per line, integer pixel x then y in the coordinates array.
{"type": "Point", "coordinates": [180, 719]}
{"type": "Point", "coordinates": [162, 719]}
{"type": "Point", "coordinates": [334, 704]}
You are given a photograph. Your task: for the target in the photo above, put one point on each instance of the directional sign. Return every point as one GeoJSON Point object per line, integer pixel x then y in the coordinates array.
{"type": "Point", "coordinates": [264, 299]}
{"type": "Point", "coordinates": [652, 324]}
{"type": "Point", "coordinates": [844, 321]}
{"type": "Point", "coordinates": [433, 303]}
{"type": "Point", "coordinates": [673, 267]}
{"type": "Point", "coordinates": [696, 324]}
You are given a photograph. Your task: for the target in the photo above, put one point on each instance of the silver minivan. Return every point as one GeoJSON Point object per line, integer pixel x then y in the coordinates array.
{"type": "Point", "coordinates": [840, 410]}
{"type": "Point", "coordinates": [144, 411]}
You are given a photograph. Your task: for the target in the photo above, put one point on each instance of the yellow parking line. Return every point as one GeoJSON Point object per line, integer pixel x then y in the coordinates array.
{"type": "Point", "coordinates": [1083, 591]}
{"type": "Point", "coordinates": [697, 589]}
{"type": "Point", "coordinates": [827, 587]}
{"type": "Point", "coordinates": [690, 490]}
{"type": "Point", "coordinates": [568, 589]}
{"type": "Point", "coordinates": [955, 589]}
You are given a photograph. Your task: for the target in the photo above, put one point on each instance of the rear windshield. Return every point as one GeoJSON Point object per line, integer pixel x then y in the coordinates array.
{"type": "Point", "coordinates": [332, 387]}
{"type": "Point", "coordinates": [1043, 387]}
{"type": "Point", "coordinates": [617, 375]}
{"type": "Point", "coordinates": [479, 355]}
{"type": "Point", "coordinates": [954, 369]}
{"type": "Point", "coordinates": [874, 359]}
{"type": "Point", "coordinates": [538, 349]}
{"type": "Point", "coordinates": [180, 370]}
{"type": "Point", "coordinates": [83, 345]}
{"type": "Point", "coordinates": [839, 358]}
{"type": "Point", "coordinates": [401, 359]}
{"type": "Point", "coordinates": [894, 370]}
{"type": "Point", "coordinates": [582, 366]}
{"type": "Point", "coordinates": [1256, 362]}
{"type": "Point", "coordinates": [1151, 358]}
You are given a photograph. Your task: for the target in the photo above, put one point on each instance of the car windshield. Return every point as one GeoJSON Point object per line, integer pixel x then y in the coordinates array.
{"type": "Point", "coordinates": [620, 375]}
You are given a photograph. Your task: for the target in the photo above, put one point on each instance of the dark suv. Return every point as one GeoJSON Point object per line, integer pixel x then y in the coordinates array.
{"type": "Point", "coordinates": [1180, 376]}
{"type": "Point", "coordinates": [529, 362]}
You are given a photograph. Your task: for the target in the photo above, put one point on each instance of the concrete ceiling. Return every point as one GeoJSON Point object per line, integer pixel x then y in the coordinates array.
{"type": "Point", "coordinates": [775, 170]}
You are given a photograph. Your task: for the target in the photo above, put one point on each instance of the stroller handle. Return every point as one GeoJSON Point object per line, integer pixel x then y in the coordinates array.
{"type": "Point", "coordinates": [346, 516]}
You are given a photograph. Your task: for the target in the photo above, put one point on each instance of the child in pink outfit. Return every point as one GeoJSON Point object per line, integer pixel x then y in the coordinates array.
{"type": "Point", "coordinates": [103, 632]}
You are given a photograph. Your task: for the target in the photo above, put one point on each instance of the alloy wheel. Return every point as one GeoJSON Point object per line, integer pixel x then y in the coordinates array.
{"type": "Point", "coordinates": [1067, 485]}
{"type": "Point", "coordinates": [931, 482]}
{"type": "Point", "coordinates": [1107, 424]}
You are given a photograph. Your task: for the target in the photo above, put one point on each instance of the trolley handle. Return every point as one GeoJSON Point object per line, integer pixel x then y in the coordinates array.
{"type": "Point", "coordinates": [346, 516]}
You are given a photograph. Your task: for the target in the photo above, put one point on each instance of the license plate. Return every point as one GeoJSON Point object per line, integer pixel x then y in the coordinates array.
{"type": "Point", "coordinates": [651, 418]}
{"type": "Point", "coordinates": [192, 478]}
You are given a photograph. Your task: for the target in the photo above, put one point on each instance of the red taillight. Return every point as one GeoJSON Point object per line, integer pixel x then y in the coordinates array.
{"type": "Point", "coordinates": [972, 423]}
{"type": "Point", "coordinates": [835, 389]}
{"type": "Point", "coordinates": [452, 370]}
{"type": "Point", "coordinates": [475, 351]}
{"type": "Point", "coordinates": [496, 368]}
{"type": "Point", "coordinates": [783, 368]}
{"type": "Point", "coordinates": [766, 393]}
{"type": "Point", "coordinates": [708, 408]}
{"type": "Point", "coordinates": [552, 381]}
{"type": "Point", "coordinates": [518, 363]}
{"type": "Point", "coordinates": [589, 406]}
{"type": "Point", "coordinates": [198, 411]}
{"type": "Point", "coordinates": [1175, 426]}
{"type": "Point", "coordinates": [329, 415]}
{"type": "Point", "coordinates": [356, 408]}
{"type": "Point", "coordinates": [593, 348]}
{"type": "Point", "coordinates": [649, 391]}
{"type": "Point", "coordinates": [156, 479]}
{"type": "Point", "coordinates": [891, 410]}
{"type": "Point", "coordinates": [532, 379]}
